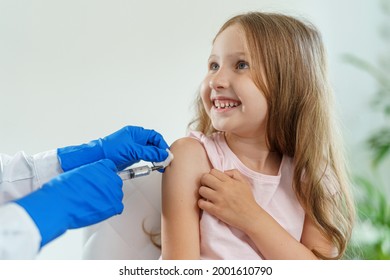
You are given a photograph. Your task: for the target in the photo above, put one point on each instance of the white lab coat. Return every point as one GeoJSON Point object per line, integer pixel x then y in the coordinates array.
{"type": "Point", "coordinates": [19, 175]}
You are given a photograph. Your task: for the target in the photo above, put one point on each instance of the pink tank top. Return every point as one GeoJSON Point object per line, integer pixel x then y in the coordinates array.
{"type": "Point", "coordinates": [273, 193]}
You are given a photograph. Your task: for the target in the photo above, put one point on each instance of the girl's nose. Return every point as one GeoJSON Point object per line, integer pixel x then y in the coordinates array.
{"type": "Point", "coordinates": [219, 81]}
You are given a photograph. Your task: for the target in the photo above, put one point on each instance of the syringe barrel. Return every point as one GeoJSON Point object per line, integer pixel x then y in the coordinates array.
{"type": "Point", "coordinates": [135, 172]}
{"type": "Point", "coordinates": [140, 171]}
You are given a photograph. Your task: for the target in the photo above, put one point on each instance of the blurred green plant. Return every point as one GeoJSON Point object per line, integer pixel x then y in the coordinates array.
{"type": "Point", "coordinates": [371, 237]}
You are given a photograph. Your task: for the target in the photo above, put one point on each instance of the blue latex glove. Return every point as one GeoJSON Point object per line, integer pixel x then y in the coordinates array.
{"type": "Point", "coordinates": [78, 198]}
{"type": "Point", "coordinates": [124, 147]}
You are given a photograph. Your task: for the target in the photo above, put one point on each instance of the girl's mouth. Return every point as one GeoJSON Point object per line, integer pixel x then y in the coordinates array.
{"type": "Point", "coordinates": [221, 104]}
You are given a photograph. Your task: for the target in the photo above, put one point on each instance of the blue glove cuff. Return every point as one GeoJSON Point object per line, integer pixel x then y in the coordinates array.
{"type": "Point", "coordinates": [74, 199]}
{"type": "Point", "coordinates": [75, 156]}
{"type": "Point", "coordinates": [40, 205]}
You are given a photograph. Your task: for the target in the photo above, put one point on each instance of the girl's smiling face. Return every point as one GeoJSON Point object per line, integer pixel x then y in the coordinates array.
{"type": "Point", "coordinates": [230, 97]}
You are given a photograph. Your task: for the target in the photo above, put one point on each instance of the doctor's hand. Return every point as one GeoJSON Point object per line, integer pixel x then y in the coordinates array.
{"type": "Point", "coordinates": [228, 196]}
{"type": "Point", "coordinates": [124, 147]}
{"type": "Point", "coordinates": [78, 198]}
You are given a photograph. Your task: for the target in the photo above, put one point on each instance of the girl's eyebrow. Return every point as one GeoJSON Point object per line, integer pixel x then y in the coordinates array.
{"type": "Point", "coordinates": [231, 55]}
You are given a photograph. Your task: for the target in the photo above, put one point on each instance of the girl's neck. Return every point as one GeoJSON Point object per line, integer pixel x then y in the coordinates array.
{"type": "Point", "coordinates": [254, 153]}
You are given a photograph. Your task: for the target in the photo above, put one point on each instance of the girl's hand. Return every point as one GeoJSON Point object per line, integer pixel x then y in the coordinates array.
{"type": "Point", "coordinates": [228, 196]}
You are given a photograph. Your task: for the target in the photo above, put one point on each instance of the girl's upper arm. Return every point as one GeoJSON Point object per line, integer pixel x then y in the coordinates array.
{"type": "Point", "coordinates": [180, 211]}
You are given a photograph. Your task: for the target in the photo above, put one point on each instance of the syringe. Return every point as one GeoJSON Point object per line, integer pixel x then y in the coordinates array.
{"type": "Point", "coordinates": [136, 172]}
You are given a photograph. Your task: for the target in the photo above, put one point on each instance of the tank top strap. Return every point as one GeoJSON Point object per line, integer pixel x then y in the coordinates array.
{"type": "Point", "coordinates": [213, 150]}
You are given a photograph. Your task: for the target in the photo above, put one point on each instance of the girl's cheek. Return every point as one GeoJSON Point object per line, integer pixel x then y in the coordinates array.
{"type": "Point", "coordinates": [205, 92]}
{"type": "Point", "coordinates": [206, 103]}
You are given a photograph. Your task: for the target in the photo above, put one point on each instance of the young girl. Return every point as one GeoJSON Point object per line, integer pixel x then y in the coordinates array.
{"type": "Point", "coordinates": [263, 176]}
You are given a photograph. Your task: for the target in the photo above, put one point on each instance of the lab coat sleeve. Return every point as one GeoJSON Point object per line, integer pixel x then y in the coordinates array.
{"type": "Point", "coordinates": [21, 174]}
{"type": "Point", "coordinates": [19, 236]}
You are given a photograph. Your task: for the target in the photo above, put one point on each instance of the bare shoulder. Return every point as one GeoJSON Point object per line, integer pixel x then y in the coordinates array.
{"type": "Point", "coordinates": [190, 162]}
{"type": "Point", "coordinates": [187, 143]}
{"type": "Point", "coordinates": [190, 151]}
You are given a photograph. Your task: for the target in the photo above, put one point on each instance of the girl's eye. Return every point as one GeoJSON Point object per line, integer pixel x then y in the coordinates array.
{"type": "Point", "coordinates": [242, 65]}
{"type": "Point", "coordinates": [213, 66]}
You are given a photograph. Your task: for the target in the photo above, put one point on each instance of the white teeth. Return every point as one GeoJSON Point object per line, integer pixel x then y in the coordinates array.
{"type": "Point", "coordinates": [220, 104]}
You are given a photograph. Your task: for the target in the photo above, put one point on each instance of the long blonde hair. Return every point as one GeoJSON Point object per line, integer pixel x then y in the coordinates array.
{"type": "Point", "coordinates": [300, 121]}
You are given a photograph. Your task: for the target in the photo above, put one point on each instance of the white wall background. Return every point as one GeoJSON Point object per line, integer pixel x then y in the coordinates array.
{"type": "Point", "coordinates": [72, 71]}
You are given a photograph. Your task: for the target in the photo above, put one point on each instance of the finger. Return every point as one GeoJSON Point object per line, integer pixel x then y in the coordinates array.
{"type": "Point", "coordinates": [147, 137]}
{"type": "Point", "coordinates": [107, 163]}
{"type": "Point", "coordinates": [148, 153]}
{"type": "Point", "coordinates": [165, 162]}
{"type": "Point", "coordinates": [108, 177]}
{"type": "Point", "coordinates": [210, 181]}
{"type": "Point", "coordinates": [118, 194]}
{"type": "Point", "coordinates": [219, 175]}
{"type": "Point", "coordinates": [235, 174]}
{"type": "Point", "coordinates": [207, 206]}
{"type": "Point", "coordinates": [135, 134]}
{"type": "Point", "coordinates": [207, 193]}
{"type": "Point", "coordinates": [156, 139]}
{"type": "Point", "coordinates": [118, 208]}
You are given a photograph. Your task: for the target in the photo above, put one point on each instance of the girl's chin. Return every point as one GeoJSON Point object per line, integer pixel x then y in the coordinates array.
{"type": "Point", "coordinates": [222, 127]}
